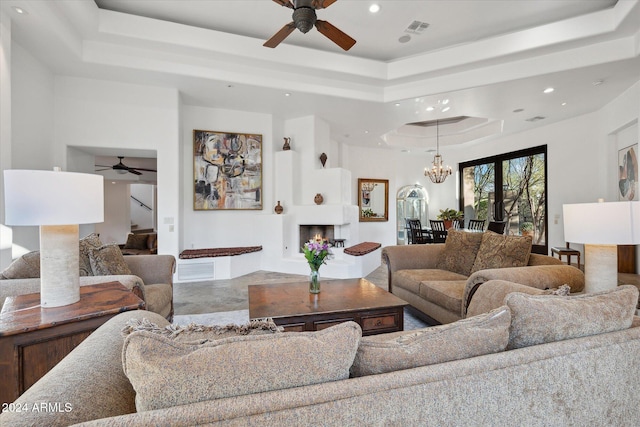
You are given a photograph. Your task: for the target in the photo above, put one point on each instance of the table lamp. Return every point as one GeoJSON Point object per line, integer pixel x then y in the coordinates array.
{"type": "Point", "coordinates": [57, 202]}
{"type": "Point", "coordinates": [601, 227]}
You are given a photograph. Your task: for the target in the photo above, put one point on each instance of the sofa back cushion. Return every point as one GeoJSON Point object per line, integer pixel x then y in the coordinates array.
{"type": "Point", "coordinates": [483, 334]}
{"type": "Point", "coordinates": [460, 251]}
{"type": "Point", "coordinates": [165, 373]}
{"type": "Point", "coordinates": [500, 251]}
{"type": "Point", "coordinates": [538, 319]}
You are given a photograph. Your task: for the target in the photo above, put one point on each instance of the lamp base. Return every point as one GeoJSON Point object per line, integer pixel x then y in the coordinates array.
{"type": "Point", "coordinates": [600, 267]}
{"type": "Point", "coordinates": [59, 269]}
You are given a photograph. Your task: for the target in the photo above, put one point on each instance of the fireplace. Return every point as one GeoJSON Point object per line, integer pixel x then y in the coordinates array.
{"type": "Point", "coordinates": [308, 232]}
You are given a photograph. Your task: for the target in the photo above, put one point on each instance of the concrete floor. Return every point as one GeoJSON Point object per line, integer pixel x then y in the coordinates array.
{"type": "Point", "coordinates": [232, 294]}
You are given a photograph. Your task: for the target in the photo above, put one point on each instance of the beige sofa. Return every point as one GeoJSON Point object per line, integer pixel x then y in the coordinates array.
{"type": "Point", "coordinates": [421, 275]}
{"type": "Point", "coordinates": [584, 380]}
{"type": "Point", "coordinates": [151, 279]}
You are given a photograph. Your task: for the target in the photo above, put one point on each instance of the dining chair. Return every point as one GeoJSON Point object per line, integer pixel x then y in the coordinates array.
{"type": "Point", "coordinates": [417, 236]}
{"type": "Point", "coordinates": [476, 224]}
{"type": "Point", "coordinates": [497, 226]}
{"type": "Point", "coordinates": [438, 231]}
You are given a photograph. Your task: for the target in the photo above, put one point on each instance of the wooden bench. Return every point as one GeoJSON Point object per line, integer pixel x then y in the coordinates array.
{"type": "Point", "coordinates": [362, 248]}
{"type": "Point", "coordinates": [218, 252]}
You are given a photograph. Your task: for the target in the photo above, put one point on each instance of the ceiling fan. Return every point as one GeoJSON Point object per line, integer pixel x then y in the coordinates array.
{"type": "Point", "coordinates": [121, 168]}
{"type": "Point", "coordinates": [304, 17]}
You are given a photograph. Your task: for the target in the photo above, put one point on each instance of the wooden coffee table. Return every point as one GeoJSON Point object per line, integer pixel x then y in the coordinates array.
{"type": "Point", "coordinates": [292, 306]}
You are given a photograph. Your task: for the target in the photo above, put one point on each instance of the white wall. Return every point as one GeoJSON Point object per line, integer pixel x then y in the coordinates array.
{"type": "Point", "coordinates": [141, 216]}
{"type": "Point", "coordinates": [117, 224]}
{"type": "Point", "coordinates": [6, 234]}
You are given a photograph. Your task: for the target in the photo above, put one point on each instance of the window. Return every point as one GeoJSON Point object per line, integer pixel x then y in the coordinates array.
{"type": "Point", "coordinates": [510, 187]}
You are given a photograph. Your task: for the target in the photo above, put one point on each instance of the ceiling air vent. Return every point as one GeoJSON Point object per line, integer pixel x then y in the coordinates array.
{"type": "Point", "coordinates": [536, 118]}
{"type": "Point", "coordinates": [416, 27]}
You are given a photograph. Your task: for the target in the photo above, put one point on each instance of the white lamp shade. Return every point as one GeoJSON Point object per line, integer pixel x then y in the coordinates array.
{"type": "Point", "coordinates": [613, 223]}
{"type": "Point", "coordinates": [36, 197]}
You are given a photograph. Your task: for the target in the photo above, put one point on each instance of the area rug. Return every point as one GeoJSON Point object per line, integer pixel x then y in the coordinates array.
{"type": "Point", "coordinates": [240, 317]}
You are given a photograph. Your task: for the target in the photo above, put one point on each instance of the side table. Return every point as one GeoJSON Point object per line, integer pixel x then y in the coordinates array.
{"type": "Point", "coordinates": [33, 340]}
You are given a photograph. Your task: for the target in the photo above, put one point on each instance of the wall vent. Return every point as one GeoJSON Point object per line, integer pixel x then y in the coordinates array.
{"type": "Point", "coordinates": [416, 27]}
{"type": "Point", "coordinates": [195, 271]}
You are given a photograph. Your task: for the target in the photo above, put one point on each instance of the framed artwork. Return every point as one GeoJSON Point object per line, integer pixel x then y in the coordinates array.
{"type": "Point", "coordinates": [227, 170]}
{"type": "Point", "coordinates": [628, 188]}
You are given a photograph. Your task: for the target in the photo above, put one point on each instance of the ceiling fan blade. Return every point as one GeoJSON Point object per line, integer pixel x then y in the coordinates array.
{"type": "Point", "coordinates": [143, 169]}
{"type": "Point", "coordinates": [335, 35]}
{"type": "Point", "coordinates": [321, 4]}
{"type": "Point", "coordinates": [105, 168]}
{"type": "Point", "coordinates": [277, 38]}
{"type": "Point", "coordinates": [286, 3]}
{"type": "Point", "coordinates": [133, 171]}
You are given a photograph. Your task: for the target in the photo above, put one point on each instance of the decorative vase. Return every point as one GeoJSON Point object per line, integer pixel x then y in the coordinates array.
{"type": "Point", "coordinates": [314, 282]}
{"type": "Point", "coordinates": [318, 199]}
{"type": "Point", "coordinates": [286, 145]}
{"type": "Point", "coordinates": [323, 159]}
{"type": "Point", "coordinates": [278, 209]}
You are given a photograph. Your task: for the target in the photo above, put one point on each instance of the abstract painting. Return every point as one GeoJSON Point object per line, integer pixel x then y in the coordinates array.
{"type": "Point", "coordinates": [227, 170]}
{"type": "Point", "coordinates": [628, 173]}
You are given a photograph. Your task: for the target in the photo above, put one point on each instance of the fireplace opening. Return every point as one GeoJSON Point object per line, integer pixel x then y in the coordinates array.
{"type": "Point", "coordinates": [308, 232]}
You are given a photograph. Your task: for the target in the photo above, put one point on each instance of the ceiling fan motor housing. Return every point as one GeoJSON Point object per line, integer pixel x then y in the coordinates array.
{"type": "Point", "coordinates": [304, 18]}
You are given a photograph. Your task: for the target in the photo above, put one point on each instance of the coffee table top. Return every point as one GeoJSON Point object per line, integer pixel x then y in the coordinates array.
{"type": "Point", "coordinates": [293, 299]}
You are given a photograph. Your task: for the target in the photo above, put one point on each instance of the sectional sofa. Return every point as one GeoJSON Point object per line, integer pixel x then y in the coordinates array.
{"type": "Point", "coordinates": [440, 280]}
{"type": "Point", "coordinates": [536, 360]}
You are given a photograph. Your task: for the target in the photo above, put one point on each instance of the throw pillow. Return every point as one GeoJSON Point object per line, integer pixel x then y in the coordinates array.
{"type": "Point", "coordinates": [200, 334]}
{"type": "Point", "coordinates": [538, 319]}
{"type": "Point", "coordinates": [25, 267]}
{"type": "Point", "coordinates": [483, 334]}
{"type": "Point", "coordinates": [500, 251]}
{"type": "Point", "coordinates": [460, 251]}
{"type": "Point", "coordinates": [136, 241]}
{"type": "Point", "coordinates": [107, 260]}
{"type": "Point", "coordinates": [155, 364]}
{"type": "Point", "coordinates": [86, 244]}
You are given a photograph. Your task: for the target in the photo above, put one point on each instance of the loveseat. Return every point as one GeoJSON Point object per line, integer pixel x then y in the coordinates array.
{"type": "Point", "coordinates": [140, 244]}
{"type": "Point", "coordinates": [439, 280]}
{"type": "Point", "coordinates": [150, 277]}
{"type": "Point", "coordinates": [568, 361]}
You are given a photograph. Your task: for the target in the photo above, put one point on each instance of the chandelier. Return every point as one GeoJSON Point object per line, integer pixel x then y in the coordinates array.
{"type": "Point", "coordinates": [438, 173]}
{"type": "Point", "coordinates": [368, 186]}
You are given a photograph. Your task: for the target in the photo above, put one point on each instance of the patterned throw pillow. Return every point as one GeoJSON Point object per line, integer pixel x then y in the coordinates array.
{"type": "Point", "coordinates": [460, 251]}
{"type": "Point", "coordinates": [108, 260]}
{"type": "Point", "coordinates": [500, 251]}
{"type": "Point", "coordinates": [538, 319]}
{"type": "Point", "coordinates": [25, 267]}
{"type": "Point", "coordinates": [86, 244]}
{"type": "Point", "coordinates": [483, 334]}
{"type": "Point", "coordinates": [155, 364]}
{"type": "Point", "coordinates": [200, 334]}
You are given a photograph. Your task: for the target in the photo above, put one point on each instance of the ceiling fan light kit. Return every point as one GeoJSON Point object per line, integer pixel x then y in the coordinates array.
{"type": "Point", "coordinates": [304, 18]}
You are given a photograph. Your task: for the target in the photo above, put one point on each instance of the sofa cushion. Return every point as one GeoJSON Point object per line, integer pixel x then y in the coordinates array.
{"type": "Point", "coordinates": [445, 293]}
{"type": "Point", "coordinates": [460, 251]}
{"type": "Point", "coordinates": [234, 366]}
{"type": "Point", "coordinates": [136, 241]}
{"type": "Point", "coordinates": [538, 319]}
{"type": "Point", "coordinates": [410, 279]}
{"type": "Point", "coordinates": [86, 244]}
{"type": "Point", "coordinates": [500, 251]}
{"type": "Point", "coordinates": [483, 334]}
{"type": "Point", "coordinates": [107, 260]}
{"type": "Point", "coordinates": [159, 297]}
{"type": "Point", "coordinates": [200, 334]}
{"type": "Point", "coordinates": [25, 267]}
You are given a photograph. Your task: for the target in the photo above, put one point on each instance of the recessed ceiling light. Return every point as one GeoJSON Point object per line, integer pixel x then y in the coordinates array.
{"type": "Point", "coordinates": [548, 90]}
{"type": "Point", "coordinates": [445, 109]}
{"type": "Point", "coordinates": [405, 151]}
{"type": "Point", "coordinates": [229, 86]}
{"type": "Point", "coordinates": [366, 131]}
{"type": "Point", "coordinates": [445, 101]}
{"type": "Point", "coordinates": [374, 8]}
{"type": "Point", "coordinates": [20, 10]}
{"type": "Point", "coordinates": [430, 108]}
{"type": "Point", "coordinates": [404, 38]}
{"type": "Point", "coordinates": [563, 104]}
{"type": "Point", "coordinates": [287, 94]}
{"type": "Point", "coordinates": [597, 82]}
{"type": "Point", "coordinates": [397, 104]}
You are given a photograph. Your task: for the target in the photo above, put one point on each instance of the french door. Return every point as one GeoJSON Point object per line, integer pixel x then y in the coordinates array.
{"type": "Point", "coordinates": [509, 187]}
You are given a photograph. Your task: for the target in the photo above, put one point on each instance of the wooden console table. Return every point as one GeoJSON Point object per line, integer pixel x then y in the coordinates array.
{"type": "Point", "coordinates": [34, 339]}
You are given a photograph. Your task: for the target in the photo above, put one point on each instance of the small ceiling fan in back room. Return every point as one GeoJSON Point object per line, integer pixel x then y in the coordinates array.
{"type": "Point", "coordinates": [304, 17]}
{"type": "Point", "coordinates": [121, 168]}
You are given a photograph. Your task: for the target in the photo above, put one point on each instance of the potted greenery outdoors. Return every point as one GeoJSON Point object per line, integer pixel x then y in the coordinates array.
{"type": "Point", "coordinates": [450, 215]}
{"type": "Point", "coordinates": [527, 229]}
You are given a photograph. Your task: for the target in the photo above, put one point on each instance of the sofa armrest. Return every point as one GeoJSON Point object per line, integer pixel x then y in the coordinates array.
{"type": "Point", "coordinates": [491, 295]}
{"type": "Point", "coordinates": [14, 287]}
{"type": "Point", "coordinates": [129, 281]}
{"type": "Point", "coordinates": [90, 380]}
{"type": "Point", "coordinates": [152, 268]}
{"type": "Point", "coordinates": [409, 257]}
{"type": "Point", "coordinates": [539, 276]}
